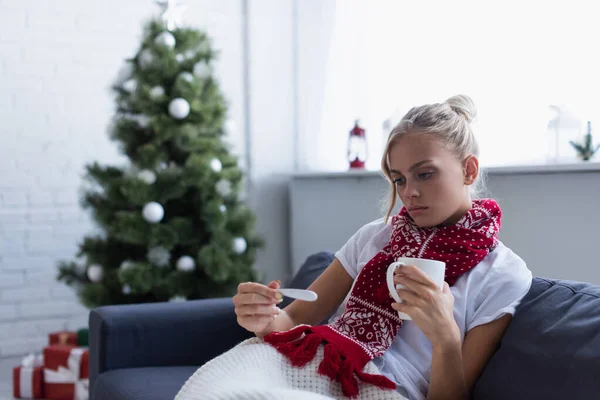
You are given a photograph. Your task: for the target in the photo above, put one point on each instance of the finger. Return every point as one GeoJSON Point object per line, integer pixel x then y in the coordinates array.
{"type": "Point", "coordinates": [274, 284]}
{"type": "Point", "coordinates": [253, 287]}
{"type": "Point", "coordinates": [446, 289]}
{"type": "Point", "coordinates": [408, 296]}
{"type": "Point", "coordinates": [258, 310]}
{"type": "Point", "coordinates": [414, 274]}
{"type": "Point", "coordinates": [254, 298]}
{"type": "Point", "coordinates": [408, 283]}
{"type": "Point", "coordinates": [405, 308]}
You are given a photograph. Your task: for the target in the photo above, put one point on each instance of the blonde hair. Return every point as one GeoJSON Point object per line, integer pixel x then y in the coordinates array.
{"type": "Point", "coordinates": [448, 121]}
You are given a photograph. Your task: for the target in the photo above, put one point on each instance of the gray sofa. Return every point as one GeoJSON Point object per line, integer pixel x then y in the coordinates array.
{"type": "Point", "coordinates": [551, 349]}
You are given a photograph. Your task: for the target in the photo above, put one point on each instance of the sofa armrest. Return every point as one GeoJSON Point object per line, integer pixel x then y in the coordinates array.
{"type": "Point", "coordinates": [161, 334]}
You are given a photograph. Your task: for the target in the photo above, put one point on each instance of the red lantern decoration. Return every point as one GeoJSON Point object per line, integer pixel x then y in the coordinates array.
{"type": "Point", "coordinates": [357, 147]}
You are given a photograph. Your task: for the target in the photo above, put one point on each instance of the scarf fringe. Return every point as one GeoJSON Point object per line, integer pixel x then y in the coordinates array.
{"type": "Point", "coordinates": [300, 350]}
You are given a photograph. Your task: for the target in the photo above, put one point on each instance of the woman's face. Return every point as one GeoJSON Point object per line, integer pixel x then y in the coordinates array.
{"type": "Point", "coordinates": [432, 183]}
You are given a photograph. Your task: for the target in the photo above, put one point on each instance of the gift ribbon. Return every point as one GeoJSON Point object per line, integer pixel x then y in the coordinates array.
{"type": "Point", "coordinates": [28, 364]}
{"type": "Point", "coordinates": [70, 374]}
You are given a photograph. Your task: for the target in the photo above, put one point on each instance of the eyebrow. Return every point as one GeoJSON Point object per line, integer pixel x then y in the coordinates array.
{"type": "Point", "coordinates": [416, 165]}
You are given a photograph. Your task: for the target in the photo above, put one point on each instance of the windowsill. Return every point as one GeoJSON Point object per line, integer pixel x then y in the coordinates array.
{"type": "Point", "coordinates": [510, 170]}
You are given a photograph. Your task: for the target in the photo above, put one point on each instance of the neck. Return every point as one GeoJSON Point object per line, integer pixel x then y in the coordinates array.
{"type": "Point", "coordinates": [460, 212]}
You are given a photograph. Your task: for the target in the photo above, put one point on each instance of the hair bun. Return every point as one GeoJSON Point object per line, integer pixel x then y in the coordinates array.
{"type": "Point", "coordinates": [463, 106]}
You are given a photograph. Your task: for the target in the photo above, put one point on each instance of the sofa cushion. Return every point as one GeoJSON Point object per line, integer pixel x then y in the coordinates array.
{"type": "Point", "coordinates": [551, 349]}
{"type": "Point", "coordinates": [152, 383]}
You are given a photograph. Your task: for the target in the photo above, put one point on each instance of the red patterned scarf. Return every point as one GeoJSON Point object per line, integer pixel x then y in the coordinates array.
{"type": "Point", "coordinates": [369, 324]}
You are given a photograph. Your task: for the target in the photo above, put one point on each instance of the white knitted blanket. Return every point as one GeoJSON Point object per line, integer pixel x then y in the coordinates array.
{"type": "Point", "coordinates": [255, 370]}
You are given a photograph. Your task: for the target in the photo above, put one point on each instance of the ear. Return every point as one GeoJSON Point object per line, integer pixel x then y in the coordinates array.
{"type": "Point", "coordinates": [470, 169]}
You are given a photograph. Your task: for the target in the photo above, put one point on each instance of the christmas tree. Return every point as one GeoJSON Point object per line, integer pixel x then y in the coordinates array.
{"type": "Point", "coordinates": [171, 222]}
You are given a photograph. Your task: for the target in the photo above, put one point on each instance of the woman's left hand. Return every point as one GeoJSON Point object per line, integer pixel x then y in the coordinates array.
{"type": "Point", "coordinates": [431, 308]}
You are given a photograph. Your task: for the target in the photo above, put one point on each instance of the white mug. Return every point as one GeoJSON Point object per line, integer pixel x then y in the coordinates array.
{"type": "Point", "coordinates": [433, 268]}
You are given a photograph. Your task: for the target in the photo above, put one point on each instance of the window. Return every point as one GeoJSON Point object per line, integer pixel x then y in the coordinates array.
{"type": "Point", "coordinates": [514, 58]}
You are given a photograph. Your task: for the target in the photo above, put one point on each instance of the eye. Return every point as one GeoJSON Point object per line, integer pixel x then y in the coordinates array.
{"type": "Point", "coordinates": [399, 181]}
{"type": "Point", "coordinates": [425, 175]}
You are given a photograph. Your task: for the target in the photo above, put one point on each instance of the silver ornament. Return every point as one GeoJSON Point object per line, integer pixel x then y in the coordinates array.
{"type": "Point", "coordinates": [172, 13]}
{"type": "Point", "coordinates": [223, 187]}
{"type": "Point", "coordinates": [125, 265]}
{"type": "Point", "coordinates": [179, 58]}
{"type": "Point", "coordinates": [153, 212]}
{"type": "Point", "coordinates": [142, 120]}
{"type": "Point", "coordinates": [189, 55]}
{"type": "Point", "coordinates": [126, 289]}
{"type": "Point", "coordinates": [130, 86]}
{"type": "Point", "coordinates": [215, 165]}
{"type": "Point", "coordinates": [202, 70]}
{"type": "Point", "coordinates": [165, 39]}
{"type": "Point", "coordinates": [239, 245]}
{"type": "Point", "coordinates": [157, 92]}
{"type": "Point", "coordinates": [95, 273]}
{"type": "Point", "coordinates": [179, 108]}
{"type": "Point", "coordinates": [222, 208]}
{"type": "Point", "coordinates": [186, 76]}
{"type": "Point", "coordinates": [147, 176]}
{"type": "Point", "coordinates": [145, 58]}
{"type": "Point", "coordinates": [186, 264]}
{"type": "Point", "coordinates": [159, 256]}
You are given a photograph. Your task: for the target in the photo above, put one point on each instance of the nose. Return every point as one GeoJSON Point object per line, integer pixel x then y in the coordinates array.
{"type": "Point", "coordinates": [411, 190]}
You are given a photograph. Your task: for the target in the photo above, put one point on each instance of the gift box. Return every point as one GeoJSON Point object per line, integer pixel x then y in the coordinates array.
{"type": "Point", "coordinates": [28, 378]}
{"type": "Point", "coordinates": [63, 338]}
{"type": "Point", "coordinates": [66, 372]}
{"type": "Point", "coordinates": [82, 337]}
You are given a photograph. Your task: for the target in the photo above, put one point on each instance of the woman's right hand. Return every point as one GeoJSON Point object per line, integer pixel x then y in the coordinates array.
{"type": "Point", "coordinates": [256, 305]}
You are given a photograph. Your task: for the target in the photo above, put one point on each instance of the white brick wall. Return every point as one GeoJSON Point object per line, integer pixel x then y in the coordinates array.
{"type": "Point", "coordinates": [57, 62]}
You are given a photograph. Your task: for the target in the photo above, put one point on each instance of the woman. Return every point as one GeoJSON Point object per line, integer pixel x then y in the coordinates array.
{"type": "Point", "coordinates": [367, 351]}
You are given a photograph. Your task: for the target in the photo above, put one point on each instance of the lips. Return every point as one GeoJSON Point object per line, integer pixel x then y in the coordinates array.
{"type": "Point", "coordinates": [417, 208]}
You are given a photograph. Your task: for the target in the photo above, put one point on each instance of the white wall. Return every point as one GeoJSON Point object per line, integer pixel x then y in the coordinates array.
{"type": "Point", "coordinates": [271, 128]}
{"type": "Point", "coordinates": [58, 61]}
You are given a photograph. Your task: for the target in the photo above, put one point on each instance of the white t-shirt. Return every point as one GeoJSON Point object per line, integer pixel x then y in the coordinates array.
{"type": "Point", "coordinates": [492, 289]}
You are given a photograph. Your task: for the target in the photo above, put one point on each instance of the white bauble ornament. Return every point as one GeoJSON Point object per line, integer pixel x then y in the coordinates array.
{"type": "Point", "coordinates": [215, 165]}
{"type": "Point", "coordinates": [95, 273]}
{"type": "Point", "coordinates": [159, 256]}
{"type": "Point", "coordinates": [223, 187]}
{"type": "Point", "coordinates": [153, 212]}
{"type": "Point", "coordinates": [202, 70]}
{"type": "Point", "coordinates": [147, 176]}
{"type": "Point", "coordinates": [222, 208]}
{"type": "Point", "coordinates": [186, 264]}
{"type": "Point", "coordinates": [126, 289]}
{"type": "Point", "coordinates": [145, 58]}
{"type": "Point", "coordinates": [189, 55]}
{"type": "Point", "coordinates": [179, 58]}
{"type": "Point", "coordinates": [125, 265]}
{"type": "Point", "coordinates": [239, 245]}
{"type": "Point", "coordinates": [176, 299]}
{"type": "Point", "coordinates": [179, 108]}
{"type": "Point", "coordinates": [157, 92]}
{"type": "Point", "coordinates": [130, 85]}
{"type": "Point", "coordinates": [142, 120]}
{"type": "Point", "coordinates": [165, 39]}
{"type": "Point", "coordinates": [230, 127]}
{"type": "Point", "coordinates": [186, 76]}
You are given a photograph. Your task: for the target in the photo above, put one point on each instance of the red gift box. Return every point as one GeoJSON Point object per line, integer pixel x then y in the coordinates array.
{"type": "Point", "coordinates": [66, 337]}
{"type": "Point", "coordinates": [28, 382]}
{"type": "Point", "coordinates": [66, 373]}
